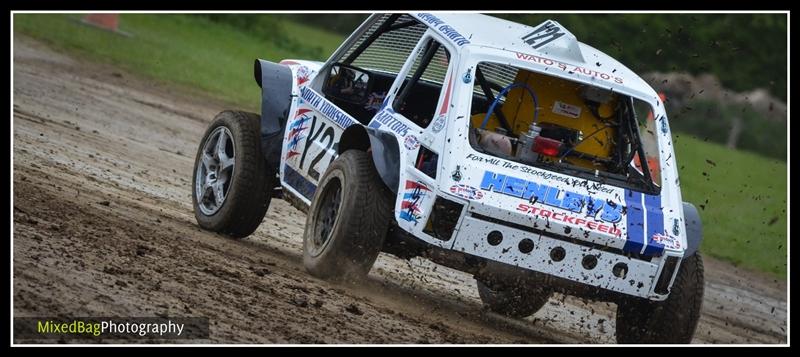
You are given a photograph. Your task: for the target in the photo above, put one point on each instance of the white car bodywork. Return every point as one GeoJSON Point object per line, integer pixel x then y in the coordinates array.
{"type": "Point", "coordinates": [495, 192]}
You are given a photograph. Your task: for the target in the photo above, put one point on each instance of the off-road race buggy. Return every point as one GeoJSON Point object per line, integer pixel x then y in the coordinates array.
{"type": "Point", "coordinates": [514, 153]}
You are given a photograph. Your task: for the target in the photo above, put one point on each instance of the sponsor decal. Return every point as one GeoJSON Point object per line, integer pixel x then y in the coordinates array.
{"type": "Point", "coordinates": [326, 108]}
{"type": "Point", "coordinates": [569, 67]}
{"type": "Point", "coordinates": [542, 35]}
{"type": "Point", "coordinates": [667, 241]}
{"type": "Point", "coordinates": [443, 28]}
{"type": "Point", "coordinates": [533, 192]}
{"type": "Point", "coordinates": [468, 192]}
{"type": "Point", "coordinates": [411, 142]}
{"type": "Point", "coordinates": [375, 101]}
{"type": "Point", "coordinates": [438, 123]}
{"type": "Point", "coordinates": [303, 74]}
{"type": "Point", "coordinates": [296, 130]}
{"type": "Point", "coordinates": [544, 175]}
{"type": "Point", "coordinates": [385, 118]}
{"type": "Point", "coordinates": [575, 221]}
{"type": "Point", "coordinates": [567, 110]}
{"type": "Point", "coordinates": [413, 196]}
{"type": "Point", "coordinates": [488, 160]}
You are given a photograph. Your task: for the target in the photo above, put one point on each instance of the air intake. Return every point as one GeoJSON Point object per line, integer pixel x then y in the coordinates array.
{"type": "Point", "coordinates": [662, 286]}
{"type": "Point", "coordinates": [427, 161]}
{"type": "Point", "coordinates": [442, 221]}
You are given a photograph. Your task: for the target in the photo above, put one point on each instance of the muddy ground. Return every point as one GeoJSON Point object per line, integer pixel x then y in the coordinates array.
{"type": "Point", "coordinates": [103, 226]}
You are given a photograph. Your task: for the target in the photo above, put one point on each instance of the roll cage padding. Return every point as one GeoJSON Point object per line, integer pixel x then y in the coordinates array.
{"type": "Point", "coordinates": [383, 146]}
{"type": "Point", "coordinates": [276, 82]}
{"type": "Point", "coordinates": [694, 229]}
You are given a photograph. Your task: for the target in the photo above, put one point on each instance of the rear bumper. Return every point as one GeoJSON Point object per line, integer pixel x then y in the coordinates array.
{"type": "Point", "coordinates": [575, 261]}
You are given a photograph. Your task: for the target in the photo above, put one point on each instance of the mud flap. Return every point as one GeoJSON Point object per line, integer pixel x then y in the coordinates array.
{"type": "Point", "coordinates": [276, 82]}
{"type": "Point", "coordinates": [694, 229]}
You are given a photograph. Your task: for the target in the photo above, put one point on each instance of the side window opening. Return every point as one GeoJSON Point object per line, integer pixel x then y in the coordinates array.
{"type": "Point", "coordinates": [647, 134]}
{"type": "Point", "coordinates": [371, 65]}
{"type": "Point", "coordinates": [420, 91]}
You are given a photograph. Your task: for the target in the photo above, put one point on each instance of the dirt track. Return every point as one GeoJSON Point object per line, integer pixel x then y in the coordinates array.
{"type": "Point", "coordinates": [103, 225]}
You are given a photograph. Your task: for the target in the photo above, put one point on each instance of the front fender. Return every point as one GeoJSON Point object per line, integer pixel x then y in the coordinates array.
{"type": "Point", "coordinates": [276, 83]}
{"type": "Point", "coordinates": [386, 156]}
{"type": "Point", "coordinates": [694, 229]}
{"type": "Point", "coordinates": [383, 146]}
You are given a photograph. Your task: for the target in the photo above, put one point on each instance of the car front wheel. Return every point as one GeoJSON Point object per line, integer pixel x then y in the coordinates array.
{"type": "Point", "coordinates": [348, 219]}
{"type": "Point", "coordinates": [232, 184]}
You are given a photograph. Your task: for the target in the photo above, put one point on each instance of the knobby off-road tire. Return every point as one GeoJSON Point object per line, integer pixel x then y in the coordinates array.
{"type": "Point", "coordinates": [513, 300]}
{"type": "Point", "coordinates": [673, 320]}
{"type": "Point", "coordinates": [232, 185]}
{"type": "Point", "coordinates": [348, 219]}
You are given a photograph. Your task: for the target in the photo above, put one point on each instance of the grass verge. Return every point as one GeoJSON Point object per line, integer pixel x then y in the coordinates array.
{"type": "Point", "coordinates": [189, 50]}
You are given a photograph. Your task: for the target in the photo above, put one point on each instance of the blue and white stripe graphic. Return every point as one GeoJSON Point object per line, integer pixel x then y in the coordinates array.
{"type": "Point", "coordinates": [635, 219]}
{"type": "Point", "coordinates": [655, 224]}
{"type": "Point", "coordinates": [644, 219]}
{"type": "Point", "coordinates": [298, 182]}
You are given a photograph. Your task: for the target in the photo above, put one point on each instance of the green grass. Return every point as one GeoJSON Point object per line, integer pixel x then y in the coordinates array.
{"type": "Point", "coordinates": [328, 41]}
{"type": "Point", "coordinates": [188, 50]}
{"type": "Point", "coordinates": [744, 217]}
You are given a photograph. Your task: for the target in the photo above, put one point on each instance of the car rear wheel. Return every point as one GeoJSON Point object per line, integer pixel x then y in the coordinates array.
{"type": "Point", "coordinates": [673, 320]}
{"type": "Point", "coordinates": [513, 299]}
